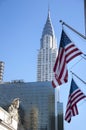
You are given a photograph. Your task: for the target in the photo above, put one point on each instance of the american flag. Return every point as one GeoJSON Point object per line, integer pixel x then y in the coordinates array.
{"type": "Point", "coordinates": [75, 96]}
{"type": "Point", "coordinates": [67, 51]}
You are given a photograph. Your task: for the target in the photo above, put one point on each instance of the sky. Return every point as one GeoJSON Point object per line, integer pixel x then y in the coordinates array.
{"type": "Point", "coordinates": [21, 26]}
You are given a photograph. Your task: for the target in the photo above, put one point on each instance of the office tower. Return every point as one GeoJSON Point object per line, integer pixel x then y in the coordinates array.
{"type": "Point", "coordinates": [47, 52]}
{"type": "Point", "coordinates": [60, 116]}
{"type": "Point", "coordinates": [37, 103]}
{"type": "Point", "coordinates": [1, 70]}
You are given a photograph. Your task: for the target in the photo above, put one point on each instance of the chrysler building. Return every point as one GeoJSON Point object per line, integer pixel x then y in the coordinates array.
{"type": "Point", "coordinates": [47, 52]}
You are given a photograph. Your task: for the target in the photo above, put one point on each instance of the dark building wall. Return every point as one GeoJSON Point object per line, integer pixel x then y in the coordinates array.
{"type": "Point", "coordinates": [60, 120]}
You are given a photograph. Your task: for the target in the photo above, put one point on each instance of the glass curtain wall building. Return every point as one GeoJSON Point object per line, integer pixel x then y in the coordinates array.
{"type": "Point", "coordinates": [37, 103]}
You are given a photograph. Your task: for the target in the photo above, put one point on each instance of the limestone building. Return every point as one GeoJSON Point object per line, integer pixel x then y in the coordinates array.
{"type": "Point", "coordinates": [6, 123]}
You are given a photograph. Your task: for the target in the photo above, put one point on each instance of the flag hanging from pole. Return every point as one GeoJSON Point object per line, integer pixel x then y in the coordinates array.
{"type": "Point", "coordinates": [75, 95]}
{"type": "Point", "coordinates": [67, 51]}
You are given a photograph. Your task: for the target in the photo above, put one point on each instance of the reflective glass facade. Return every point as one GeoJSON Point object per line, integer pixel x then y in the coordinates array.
{"type": "Point", "coordinates": [60, 119]}
{"type": "Point", "coordinates": [37, 104]}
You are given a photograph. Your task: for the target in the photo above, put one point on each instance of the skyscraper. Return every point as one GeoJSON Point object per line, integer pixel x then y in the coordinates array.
{"type": "Point", "coordinates": [47, 52]}
{"type": "Point", "coordinates": [1, 70]}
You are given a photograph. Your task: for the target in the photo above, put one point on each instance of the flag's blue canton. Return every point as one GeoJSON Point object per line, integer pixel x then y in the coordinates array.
{"type": "Point", "coordinates": [67, 52]}
{"type": "Point", "coordinates": [73, 86]}
{"type": "Point", "coordinates": [75, 96]}
{"type": "Point", "coordinates": [64, 39]}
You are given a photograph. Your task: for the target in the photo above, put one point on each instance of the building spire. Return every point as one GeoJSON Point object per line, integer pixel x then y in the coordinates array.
{"type": "Point", "coordinates": [49, 12]}
{"type": "Point", "coordinates": [48, 28]}
{"type": "Point", "coordinates": [48, 8]}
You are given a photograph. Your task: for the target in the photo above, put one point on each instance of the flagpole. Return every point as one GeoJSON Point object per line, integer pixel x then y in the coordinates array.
{"type": "Point", "coordinates": [78, 77]}
{"type": "Point", "coordinates": [85, 15]}
{"type": "Point", "coordinates": [58, 91]}
{"type": "Point", "coordinates": [63, 23]}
